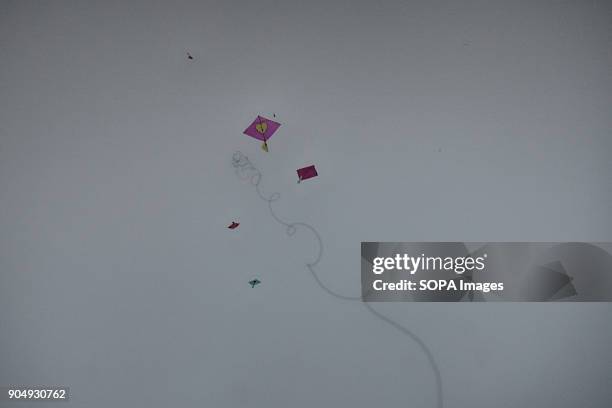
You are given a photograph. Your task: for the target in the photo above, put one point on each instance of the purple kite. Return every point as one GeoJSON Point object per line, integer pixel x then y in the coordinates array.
{"type": "Point", "coordinates": [262, 129]}
{"type": "Point", "coordinates": [306, 173]}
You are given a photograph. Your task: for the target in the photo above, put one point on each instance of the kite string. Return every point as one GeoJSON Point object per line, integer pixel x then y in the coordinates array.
{"type": "Point", "coordinates": [246, 170]}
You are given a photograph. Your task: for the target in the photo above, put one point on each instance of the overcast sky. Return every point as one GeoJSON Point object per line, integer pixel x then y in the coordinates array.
{"type": "Point", "coordinates": [427, 120]}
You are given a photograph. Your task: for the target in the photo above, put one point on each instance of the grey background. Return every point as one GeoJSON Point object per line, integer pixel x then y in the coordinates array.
{"type": "Point", "coordinates": [119, 278]}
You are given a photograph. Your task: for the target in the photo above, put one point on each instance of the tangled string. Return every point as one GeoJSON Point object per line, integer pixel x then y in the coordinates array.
{"type": "Point", "coordinates": [246, 171]}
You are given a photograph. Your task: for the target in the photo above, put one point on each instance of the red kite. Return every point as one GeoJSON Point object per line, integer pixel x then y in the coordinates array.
{"type": "Point", "coordinates": [307, 172]}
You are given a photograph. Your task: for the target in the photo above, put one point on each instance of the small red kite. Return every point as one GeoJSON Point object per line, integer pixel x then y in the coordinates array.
{"type": "Point", "coordinates": [306, 173]}
{"type": "Point", "coordinates": [234, 225]}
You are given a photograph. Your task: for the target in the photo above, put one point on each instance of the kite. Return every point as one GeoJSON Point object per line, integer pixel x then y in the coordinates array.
{"type": "Point", "coordinates": [189, 56]}
{"type": "Point", "coordinates": [306, 173]}
{"type": "Point", "coordinates": [234, 225]}
{"type": "Point", "coordinates": [254, 282]}
{"type": "Point", "coordinates": [262, 129]}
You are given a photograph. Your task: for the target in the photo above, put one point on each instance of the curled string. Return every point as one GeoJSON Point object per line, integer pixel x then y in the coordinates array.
{"type": "Point", "coordinates": [246, 171]}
